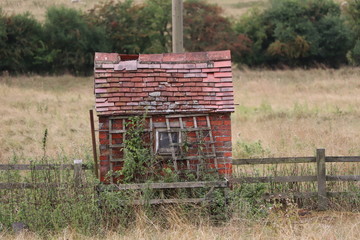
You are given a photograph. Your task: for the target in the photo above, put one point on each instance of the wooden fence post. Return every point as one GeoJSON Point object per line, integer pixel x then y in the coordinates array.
{"type": "Point", "coordinates": [96, 170]}
{"type": "Point", "coordinates": [77, 172]}
{"type": "Point", "coordinates": [321, 179]}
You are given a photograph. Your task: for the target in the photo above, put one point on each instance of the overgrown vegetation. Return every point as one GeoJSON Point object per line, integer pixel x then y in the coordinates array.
{"type": "Point", "coordinates": [286, 33]}
{"type": "Point", "coordinates": [206, 29]}
{"type": "Point", "coordinates": [139, 163]}
{"type": "Point", "coordinates": [91, 209]}
{"type": "Point", "coordinates": [48, 210]}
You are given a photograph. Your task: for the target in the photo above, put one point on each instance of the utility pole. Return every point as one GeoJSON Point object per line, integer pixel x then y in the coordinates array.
{"type": "Point", "coordinates": [177, 26]}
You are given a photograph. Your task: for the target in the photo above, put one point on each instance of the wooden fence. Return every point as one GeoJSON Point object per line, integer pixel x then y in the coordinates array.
{"type": "Point", "coordinates": [321, 178]}
{"type": "Point", "coordinates": [78, 167]}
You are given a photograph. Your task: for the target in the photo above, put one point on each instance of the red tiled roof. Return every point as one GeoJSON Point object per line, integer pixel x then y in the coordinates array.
{"type": "Point", "coordinates": [163, 83]}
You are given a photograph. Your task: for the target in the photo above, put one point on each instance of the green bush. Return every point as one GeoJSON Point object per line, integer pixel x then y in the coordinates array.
{"type": "Point", "coordinates": [71, 41]}
{"type": "Point", "coordinates": [296, 33]}
{"type": "Point", "coordinates": [354, 54]}
{"type": "Point", "coordinates": [2, 39]}
{"type": "Point", "coordinates": [134, 28]}
{"type": "Point", "coordinates": [287, 32]}
{"type": "Point", "coordinates": [352, 13]}
{"type": "Point", "coordinates": [205, 29]}
{"type": "Point", "coordinates": [250, 149]}
{"type": "Point", "coordinates": [20, 40]}
{"type": "Point", "coordinates": [156, 16]}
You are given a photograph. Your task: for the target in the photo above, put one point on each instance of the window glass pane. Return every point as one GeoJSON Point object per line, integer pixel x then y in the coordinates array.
{"type": "Point", "coordinates": [164, 141]}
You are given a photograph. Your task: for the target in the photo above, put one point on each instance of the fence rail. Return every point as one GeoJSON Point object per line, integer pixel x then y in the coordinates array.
{"type": "Point", "coordinates": [78, 167]}
{"type": "Point", "coordinates": [321, 178]}
{"type": "Point", "coordinates": [41, 167]}
{"type": "Point", "coordinates": [253, 161]}
{"type": "Point", "coordinates": [163, 186]}
{"type": "Point", "coordinates": [283, 160]}
{"type": "Point", "coordinates": [172, 185]}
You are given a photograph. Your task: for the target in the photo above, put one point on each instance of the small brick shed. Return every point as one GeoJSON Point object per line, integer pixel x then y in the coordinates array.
{"type": "Point", "coordinates": [187, 99]}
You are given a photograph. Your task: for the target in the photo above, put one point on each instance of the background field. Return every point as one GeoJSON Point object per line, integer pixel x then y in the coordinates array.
{"type": "Point", "coordinates": [288, 113]}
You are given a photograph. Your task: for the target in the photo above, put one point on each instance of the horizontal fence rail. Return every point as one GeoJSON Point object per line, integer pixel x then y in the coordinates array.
{"type": "Point", "coordinates": [276, 179]}
{"type": "Point", "coordinates": [21, 185]}
{"type": "Point", "coordinates": [321, 178]}
{"type": "Point", "coordinates": [250, 161]}
{"type": "Point", "coordinates": [172, 185]}
{"type": "Point", "coordinates": [40, 167]}
{"type": "Point", "coordinates": [77, 167]}
{"type": "Point", "coordinates": [163, 186]}
{"type": "Point", "coordinates": [343, 159]}
{"type": "Point", "coordinates": [283, 160]}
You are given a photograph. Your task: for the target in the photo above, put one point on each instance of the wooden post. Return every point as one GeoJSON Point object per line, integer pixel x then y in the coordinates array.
{"type": "Point", "coordinates": [77, 172]}
{"type": "Point", "coordinates": [321, 179]}
{"type": "Point", "coordinates": [96, 170]}
{"type": "Point", "coordinates": [177, 26]}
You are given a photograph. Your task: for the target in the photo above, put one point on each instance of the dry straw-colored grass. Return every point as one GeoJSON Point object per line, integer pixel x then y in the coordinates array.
{"type": "Point", "coordinates": [316, 226]}
{"type": "Point", "coordinates": [291, 112]}
{"type": "Point", "coordinates": [38, 7]}
{"type": "Point", "coordinates": [30, 105]}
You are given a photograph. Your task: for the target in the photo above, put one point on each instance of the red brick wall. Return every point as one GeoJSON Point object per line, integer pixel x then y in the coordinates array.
{"type": "Point", "coordinates": [221, 133]}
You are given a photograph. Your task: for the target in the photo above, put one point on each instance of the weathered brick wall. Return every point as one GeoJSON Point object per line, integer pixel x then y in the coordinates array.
{"type": "Point", "coordinates": [221, 133]}
{"type": "Point", "coordinates": [221, 125]}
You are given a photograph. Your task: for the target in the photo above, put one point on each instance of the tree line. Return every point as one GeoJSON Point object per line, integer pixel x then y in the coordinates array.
{"type": "Point", "coordinates": [291, 33]}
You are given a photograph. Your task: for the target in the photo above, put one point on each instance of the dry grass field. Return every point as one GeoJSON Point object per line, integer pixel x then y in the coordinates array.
{"type": "Point", "coordinates": [30, 105]}
{"type": "Point", "coordinates": [317, 226]}
{"type": "Point", "coordinates": [291, 113]}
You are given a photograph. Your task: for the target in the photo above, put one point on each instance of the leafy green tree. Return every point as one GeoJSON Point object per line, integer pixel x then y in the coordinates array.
{"type": "Point", "coordinates": [135, 28]}
{"type": "Point", "coordinates": [352, 12]}
{"type": "Point", "coordinates": [296, 33]}
{"type": "Point", "coordinates": [251, 24]}
{"type": "Point", "coordinates": [205, 29]}
{"type": "Point", "coordinates": [156, 16]}
{"type": "Point", "coordinates": [71, 41]}
{"type": "Point", "coordinates": [119, 21]}
{"type": "Point", "coordinates": [145, 28]}
{"type": "Point", "coordinates": [20, 39]}
{"type": "Point", "coordinates": [3, 38]}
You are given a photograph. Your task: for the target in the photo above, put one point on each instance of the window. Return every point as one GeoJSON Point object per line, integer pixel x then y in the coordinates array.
{"type": "Point", "coordinates": [163, 146]}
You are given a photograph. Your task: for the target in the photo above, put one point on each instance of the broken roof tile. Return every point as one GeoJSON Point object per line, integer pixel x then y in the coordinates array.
{"type": "Point", "coordinates": [163, 83]}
